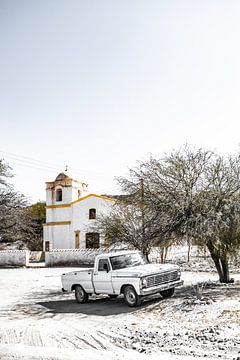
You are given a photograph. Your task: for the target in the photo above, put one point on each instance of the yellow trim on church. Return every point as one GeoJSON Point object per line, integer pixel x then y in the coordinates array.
{"type": "Point", "coordinates": [58, 206]}
{"type": "Point", "coordinates": [63, 181]}
{"type": "Point", "coordinates": [78, 200]}
{"type": "Point", "coordinates": [90, 195]}
{"type": "Point", "coordinates": [57, 223]}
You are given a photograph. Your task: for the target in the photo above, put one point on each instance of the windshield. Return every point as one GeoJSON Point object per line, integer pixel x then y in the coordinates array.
{"type": "Point", "coordinates": [127, 260]}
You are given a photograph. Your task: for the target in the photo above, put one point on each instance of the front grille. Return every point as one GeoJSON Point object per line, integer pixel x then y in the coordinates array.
{"type": "Point", "coordinates": [159, 279]}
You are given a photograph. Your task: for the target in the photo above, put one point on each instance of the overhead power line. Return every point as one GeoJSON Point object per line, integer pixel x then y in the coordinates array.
{"type": "Point", "coordinates": [28, 162]}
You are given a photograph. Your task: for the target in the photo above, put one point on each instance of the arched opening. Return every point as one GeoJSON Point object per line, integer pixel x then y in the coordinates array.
{"type": "Point", "coordinates": [77, 239]}
{"type": "Point", "coordinates": [92, 214]}
{"type": "Point", "coordinates": [59, 195]}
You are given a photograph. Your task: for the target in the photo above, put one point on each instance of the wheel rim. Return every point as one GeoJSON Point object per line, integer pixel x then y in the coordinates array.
{"type": "Point", "coordinates": [80, 293]}
{"type": "Point", "coordinates": [130, 296]}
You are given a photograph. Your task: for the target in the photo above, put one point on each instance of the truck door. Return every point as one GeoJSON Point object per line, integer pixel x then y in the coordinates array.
{"type": "Point", "coordinates": [102, 278]}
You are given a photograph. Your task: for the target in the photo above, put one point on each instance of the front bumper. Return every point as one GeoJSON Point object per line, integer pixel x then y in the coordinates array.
{"type": "Point", "coordinates": [158, 288]}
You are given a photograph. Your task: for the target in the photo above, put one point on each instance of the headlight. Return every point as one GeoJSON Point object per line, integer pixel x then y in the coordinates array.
{"type": "Point", "coordinates": [179, 274]}
{"type": "Point", "coordinates": [144, 282]}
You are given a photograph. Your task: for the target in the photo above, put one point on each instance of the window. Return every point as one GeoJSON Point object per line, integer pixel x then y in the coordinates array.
{"type": "Point", "coordinates": [101, 264]}
{"type": "Point", "coordinates": [59, 195]}
{"type": "Point", "coordinates": [127, 260]}
{"type": "Point", "coordinates": [92, 240]}
{"type": "Point", "coordinates": [92, 213]}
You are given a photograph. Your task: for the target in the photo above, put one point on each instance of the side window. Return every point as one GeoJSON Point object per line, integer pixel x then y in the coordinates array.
{"type": "Point", "coordinates": [101, 264]}
{"type": "Point", "coordinates": [59, 195]}
{"type": "Point", "coordinates": [92, 213]}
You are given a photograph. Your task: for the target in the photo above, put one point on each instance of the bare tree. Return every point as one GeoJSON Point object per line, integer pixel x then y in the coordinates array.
{"type": "Point", "coordinates": [171, 187]}
{"type": "Point", "coordinates": [220, 212]}
{"type": "Point", "coordinates": [126, 224]}
{"type": "Point", "coordinates": [192, 195]}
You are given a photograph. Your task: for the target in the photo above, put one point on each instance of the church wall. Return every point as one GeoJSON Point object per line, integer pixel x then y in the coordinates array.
{"type": "Point", "coordinates": [59, 214]}
{"type": "Point", "coordinates": [61, 237]}
{"type": "Point", "coordinates": [58, 236]}
{"type": "Point", "coordinates": [81, 221]}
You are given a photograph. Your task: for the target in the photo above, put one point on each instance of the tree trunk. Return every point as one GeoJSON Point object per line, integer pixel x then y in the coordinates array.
{"type": "Point", "coordinates": [189, 251]}
{"type": "Point", "coordinates": [221, 264]}
{"type": "Point", "coordinates": [146, 254]}
{"type": "Point", "coordinates": [225, 270]}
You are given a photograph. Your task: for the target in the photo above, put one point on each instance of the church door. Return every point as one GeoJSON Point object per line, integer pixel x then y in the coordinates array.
{"type": "Point", "coordinates": [77, 239]}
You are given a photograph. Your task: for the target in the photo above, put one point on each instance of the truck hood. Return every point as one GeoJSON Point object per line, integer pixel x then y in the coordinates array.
{"type": "Point", "coordinates": [144, 270]}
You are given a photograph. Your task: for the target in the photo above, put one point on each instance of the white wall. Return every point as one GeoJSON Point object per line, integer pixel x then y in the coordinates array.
{"type": "Point", "coordinates": [80, 217]}
{"type": "Point", "coordinates": [59, 214]}
{"type": "Point", "coordinates": [59, 236]}
{"type": "Point", "coordinates": [14, 257]}
{"type": "Point", "coordinates": [71, 257]}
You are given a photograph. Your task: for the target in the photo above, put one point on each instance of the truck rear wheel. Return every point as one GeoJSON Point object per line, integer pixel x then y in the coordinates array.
{"type": "Point", "coordinates": [80, 295]}
{"type": "Point", "coordinates": [167, 293]}
{"type": "Point", "coordinates": [131, 297]}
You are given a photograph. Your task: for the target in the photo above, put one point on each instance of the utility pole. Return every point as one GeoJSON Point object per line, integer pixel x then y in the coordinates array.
{"type": "Point", "coordinates": [142, 210]}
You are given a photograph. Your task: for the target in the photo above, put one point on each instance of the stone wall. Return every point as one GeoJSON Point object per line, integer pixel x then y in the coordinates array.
{"type": "Point", "coordinates": [72, 257]}
{"type": "Point", "coordinates": [14, 258]}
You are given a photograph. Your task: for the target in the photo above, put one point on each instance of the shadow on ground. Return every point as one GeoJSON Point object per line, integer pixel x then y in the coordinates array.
{"type": "Point", "coordinates": [100, 307]}
{"type": "Point", "coordinates": [50, 304]}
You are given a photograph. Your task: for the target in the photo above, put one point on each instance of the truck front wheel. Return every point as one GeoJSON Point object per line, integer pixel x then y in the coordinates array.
{"type": "Point", "coordinates": [167, 293]}
{"type": "Point", "coordinates": [131, 297]}
{"type": "Point", "coordinates": [80, 295]}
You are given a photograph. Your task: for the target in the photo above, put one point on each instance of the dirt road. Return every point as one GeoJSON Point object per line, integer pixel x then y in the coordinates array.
{"type": "Point", "coordinates": [38, 321]}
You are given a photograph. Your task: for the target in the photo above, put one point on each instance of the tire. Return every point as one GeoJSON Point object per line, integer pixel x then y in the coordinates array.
{"type": "Point", "coordinates": [80, 295]}
{"type": "Point", "coordinates": [167, 293]}
{"type": "Point", "coordinates": [131, 297]}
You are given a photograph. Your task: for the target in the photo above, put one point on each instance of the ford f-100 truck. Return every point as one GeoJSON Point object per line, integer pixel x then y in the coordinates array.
{"type": "Point", "coordinates": [125, 272]}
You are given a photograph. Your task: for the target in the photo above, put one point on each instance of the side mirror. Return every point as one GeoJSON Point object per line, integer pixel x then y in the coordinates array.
{"type": "Point", "coordinates": [105, 267]}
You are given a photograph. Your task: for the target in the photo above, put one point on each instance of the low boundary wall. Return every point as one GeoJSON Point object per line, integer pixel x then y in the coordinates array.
{"type": "Point", "coordinates": [14, 258]}
{"type": "Point", "coordinates": [72, 257]}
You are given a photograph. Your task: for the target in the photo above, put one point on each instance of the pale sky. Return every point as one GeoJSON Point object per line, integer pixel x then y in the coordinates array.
{"type": "Point", "coordinates": [100, 84]}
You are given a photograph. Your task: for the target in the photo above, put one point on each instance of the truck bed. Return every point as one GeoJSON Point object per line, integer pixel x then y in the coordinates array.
{"type": "Point", "coordinates": [83, 277]}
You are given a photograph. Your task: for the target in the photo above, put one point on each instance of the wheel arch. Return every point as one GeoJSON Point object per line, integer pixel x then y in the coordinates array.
{"type": "Point", "coordinates": [75, 285]}
{"type": "Point", "coordinates": [124, 286]}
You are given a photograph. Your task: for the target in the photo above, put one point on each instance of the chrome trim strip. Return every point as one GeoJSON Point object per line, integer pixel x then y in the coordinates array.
{"type": "Point", "coordinates": [156, 289]}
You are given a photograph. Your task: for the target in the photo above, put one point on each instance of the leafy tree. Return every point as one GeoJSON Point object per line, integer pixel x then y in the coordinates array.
{"type": "Point", "coordinates": [31, 231]}
{"type": "Point", "coordinates": [19, 221]}
{"type": "Point", "coordinates": [11, 204]}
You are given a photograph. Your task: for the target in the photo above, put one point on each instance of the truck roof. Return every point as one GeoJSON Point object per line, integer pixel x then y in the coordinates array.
{"type": "Point", "coordinates": [116, 253]}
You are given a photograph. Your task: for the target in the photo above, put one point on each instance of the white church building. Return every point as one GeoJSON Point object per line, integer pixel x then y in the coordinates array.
{"type": "Point", "coordinates": [70, 213]}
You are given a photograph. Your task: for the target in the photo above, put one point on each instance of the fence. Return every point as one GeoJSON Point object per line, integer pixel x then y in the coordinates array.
{"type": "Point", "coordinates": [14, 258]}
{"type": "Point", "coordinates": [72, 257]}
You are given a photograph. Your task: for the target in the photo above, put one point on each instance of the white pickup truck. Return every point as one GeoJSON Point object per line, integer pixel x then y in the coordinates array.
{"type": "Point", "coordinates": [125, 272]}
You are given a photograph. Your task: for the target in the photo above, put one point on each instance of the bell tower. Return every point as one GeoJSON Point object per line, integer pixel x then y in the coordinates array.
{"type": "Point", "coordinates": [60, 196]}
{"type": "Point", "coordinates": [64, 190]}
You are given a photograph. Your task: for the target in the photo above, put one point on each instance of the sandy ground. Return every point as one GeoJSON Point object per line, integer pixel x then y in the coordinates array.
{"type": "Point", "coordinates": [38, 321]}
